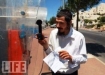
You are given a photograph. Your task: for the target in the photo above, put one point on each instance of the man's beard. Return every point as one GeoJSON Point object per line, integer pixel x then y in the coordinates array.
{"type": "Point", "coordinates": [62, 33]}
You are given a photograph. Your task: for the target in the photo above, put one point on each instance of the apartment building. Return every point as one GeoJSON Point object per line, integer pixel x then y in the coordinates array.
{"type": "Point", "coordinates": [101, 8]}
{"type": "Point", "coordinates": [91, 14]}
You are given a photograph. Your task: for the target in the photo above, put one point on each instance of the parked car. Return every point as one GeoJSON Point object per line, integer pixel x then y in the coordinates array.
{"type": "Point", "coordinates": [53, 26]}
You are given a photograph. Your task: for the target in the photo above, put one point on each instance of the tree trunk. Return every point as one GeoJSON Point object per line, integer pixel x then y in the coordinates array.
{"type": "Point", "coordinates": [77, 19]}
{"type": "Point", "coordinates": [77, 14]}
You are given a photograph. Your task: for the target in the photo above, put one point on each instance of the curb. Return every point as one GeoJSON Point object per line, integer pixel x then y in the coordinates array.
{"type": "Point", "coordinates": [92, 56]}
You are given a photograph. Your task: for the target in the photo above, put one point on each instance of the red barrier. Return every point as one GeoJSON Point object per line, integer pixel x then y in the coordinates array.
{"type": "Point", "coordinates": [15, 48]}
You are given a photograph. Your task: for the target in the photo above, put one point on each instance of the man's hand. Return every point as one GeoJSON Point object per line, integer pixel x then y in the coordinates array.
{"type": "Point", "coordinates": [43, 42]}
{"type": "Point", "coordinates": [65, 55]}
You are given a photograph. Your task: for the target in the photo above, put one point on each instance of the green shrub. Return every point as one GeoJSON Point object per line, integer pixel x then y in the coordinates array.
{"type": "Point", "coordinates": [89, 26]}
{"type": "Point", "coordinates": [99, 25]}
{"type": "Point", "coordinates": [102, 19]}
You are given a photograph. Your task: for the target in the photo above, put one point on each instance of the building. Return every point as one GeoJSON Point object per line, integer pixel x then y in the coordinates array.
{"type": "Point", "coordinates": [91, 14]}
{"type": "Point", "coordinates": [101, 8]}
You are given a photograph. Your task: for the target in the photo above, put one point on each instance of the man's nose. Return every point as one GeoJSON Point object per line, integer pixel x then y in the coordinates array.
{"type": "Point", "coordinates": [57, 25]}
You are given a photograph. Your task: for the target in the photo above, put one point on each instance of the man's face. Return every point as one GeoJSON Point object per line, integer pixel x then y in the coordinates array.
{"type": "Point", "coordinates": [61, 24]}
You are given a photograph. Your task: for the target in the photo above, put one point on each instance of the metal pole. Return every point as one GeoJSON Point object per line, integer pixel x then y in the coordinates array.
{"type": "Point", "coordinates": [63, 4]}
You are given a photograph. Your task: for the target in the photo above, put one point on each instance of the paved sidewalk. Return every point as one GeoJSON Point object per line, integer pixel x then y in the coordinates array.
{"type": "Point", "coordinates": [37, 67]}
{"type": "Point", "coordinates": [92, 67]}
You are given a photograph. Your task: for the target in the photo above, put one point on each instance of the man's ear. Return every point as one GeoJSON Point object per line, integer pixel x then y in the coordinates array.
{"type": "Point", "coordinates": [71, 24]}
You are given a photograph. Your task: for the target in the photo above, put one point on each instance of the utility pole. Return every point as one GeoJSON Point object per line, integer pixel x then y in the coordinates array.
{"type": "Point", "coordinates": [63, 4]}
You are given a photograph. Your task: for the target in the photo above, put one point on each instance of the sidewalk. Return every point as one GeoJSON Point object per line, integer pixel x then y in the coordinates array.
{"type": "Point", "coordinates": [92, 67]}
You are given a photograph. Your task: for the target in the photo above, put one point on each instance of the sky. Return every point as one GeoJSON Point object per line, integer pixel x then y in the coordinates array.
{"type": "Point", "coordinates": [53, 5]}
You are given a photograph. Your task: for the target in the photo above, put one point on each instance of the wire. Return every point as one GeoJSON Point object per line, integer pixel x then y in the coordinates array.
{"type": "Point", "coordinates": [42, 65]}
{"type": "Point", "coordinates": [38, 44]}
{"type": "Point", "coordinates": [36, 58]}
{"type": "Point", "coordinates": [42, 62]}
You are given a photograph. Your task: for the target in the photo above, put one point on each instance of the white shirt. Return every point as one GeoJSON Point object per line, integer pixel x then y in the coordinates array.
{"type": "Point", "coordinates": [74, 43]}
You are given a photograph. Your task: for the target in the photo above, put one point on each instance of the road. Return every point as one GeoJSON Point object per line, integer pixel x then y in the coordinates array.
{"type": "Point", "coordinates": [95, 43]}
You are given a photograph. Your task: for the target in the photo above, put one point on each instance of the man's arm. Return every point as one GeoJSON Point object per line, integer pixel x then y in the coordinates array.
{"type": "Point", "coordinates": [82, 56]}
{"type": "Point", "coordinates": [46, 46]}
{"type": "Point", "coordinates": [48, 49]}
{"type": "Point", "coordinates": [75, 60]}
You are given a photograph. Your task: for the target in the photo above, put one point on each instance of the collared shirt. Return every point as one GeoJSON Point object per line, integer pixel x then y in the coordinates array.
{"type": "Point", "coordinates": [74, 44]}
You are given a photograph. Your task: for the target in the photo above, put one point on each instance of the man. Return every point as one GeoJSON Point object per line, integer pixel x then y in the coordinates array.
{"type": "Point", "coordinates": [71, 42]}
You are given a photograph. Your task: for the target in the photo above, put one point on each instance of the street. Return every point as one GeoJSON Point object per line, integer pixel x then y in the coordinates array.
{"type": "Point", "coordinates": [95, 43]}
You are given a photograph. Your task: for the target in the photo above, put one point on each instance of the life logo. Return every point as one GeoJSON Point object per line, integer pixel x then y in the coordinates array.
{"type": "Point", "coordinates": [13, 66]}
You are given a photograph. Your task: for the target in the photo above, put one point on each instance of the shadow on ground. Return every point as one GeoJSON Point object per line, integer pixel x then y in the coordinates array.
{"type": "Point", "coordinates": [95, 48]}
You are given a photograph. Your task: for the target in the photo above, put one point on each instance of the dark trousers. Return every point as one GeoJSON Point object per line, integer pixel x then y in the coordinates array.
{"type": "Point", "coordinates": [74, 73]}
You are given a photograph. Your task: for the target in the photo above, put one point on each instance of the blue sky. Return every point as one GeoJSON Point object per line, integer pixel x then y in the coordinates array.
{"type": "Point", "coordinates": [53, 5]}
